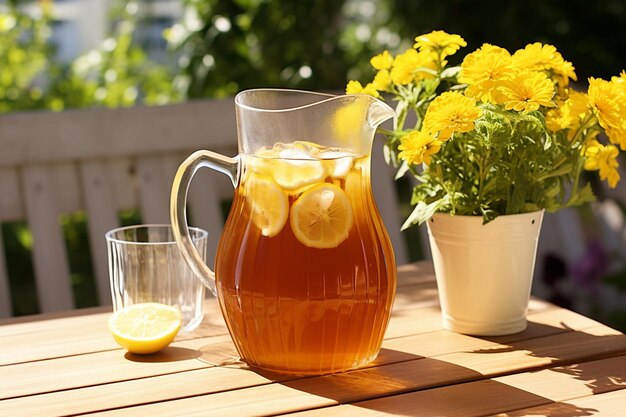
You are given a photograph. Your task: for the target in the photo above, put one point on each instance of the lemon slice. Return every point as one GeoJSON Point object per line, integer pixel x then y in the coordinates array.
{"type": "Point", "coordinates": [145, 328]}
{"type": "Point", "coordinates": [294, 166]}
{"type": "Point", "coordinates": [295, 174]}
{"type": "Point", "coordinates": [322, 217]}
{"type": "Point", "coordinates": [268, 204]}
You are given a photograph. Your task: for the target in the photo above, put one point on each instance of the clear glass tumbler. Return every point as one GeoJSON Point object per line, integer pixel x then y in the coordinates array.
{"type": "Point", "coordinates": [145, 265]}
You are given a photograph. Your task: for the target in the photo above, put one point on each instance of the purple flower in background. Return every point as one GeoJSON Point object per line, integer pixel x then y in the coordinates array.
{"type": "Point", "coordinates": [592, 266]}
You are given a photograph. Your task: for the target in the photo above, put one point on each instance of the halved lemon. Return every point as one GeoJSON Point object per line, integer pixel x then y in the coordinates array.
{"type": "Point", "coordinates": [146, 327]}
{"type": "Point", "coordinates": [322, 217]}
{"type": "Point", "coordinates": [268, 203]}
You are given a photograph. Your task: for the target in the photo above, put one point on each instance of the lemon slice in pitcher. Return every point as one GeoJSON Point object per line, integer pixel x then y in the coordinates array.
{"type": "Point", "coordinates": [145, 328]}
{"type": "Point", "coordinates": [268, 203]}
{"type": "Point", "coordinates": [295, 174]}
{"type": "Point", "coordinates": [322, 217]}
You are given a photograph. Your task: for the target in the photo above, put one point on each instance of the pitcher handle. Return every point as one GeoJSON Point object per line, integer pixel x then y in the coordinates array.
{"type": "Point", "coordinates": [178, 206]}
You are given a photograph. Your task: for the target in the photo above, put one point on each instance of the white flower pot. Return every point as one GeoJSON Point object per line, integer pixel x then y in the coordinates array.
{"type": "Point", "coordinates": [484, 273]}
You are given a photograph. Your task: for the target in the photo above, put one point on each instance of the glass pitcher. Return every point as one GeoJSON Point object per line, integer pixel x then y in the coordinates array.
{"type": "Point", "coordinates": [305, 272]}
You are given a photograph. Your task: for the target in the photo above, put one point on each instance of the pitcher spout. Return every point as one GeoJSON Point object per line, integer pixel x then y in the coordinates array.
{"type": "Point", "coordinates": [378, 113]}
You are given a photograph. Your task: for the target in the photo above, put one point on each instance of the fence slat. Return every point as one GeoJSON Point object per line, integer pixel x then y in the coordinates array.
{"type": "Point", "coordinates": [67, 190]}
{"type": "Point", "coordinates": [49, 256]}
{"type": "Point", "coordinates": [122, 173]}
{"type": "Point", "coordinates": [5, 293]}
{"type": "Point", "coordinates": [153, 190]}
{"type": "Point", "coordinates": [53, 137]}
{"type": "Point", "coordinates": [11, 202]}
{"type": "Point", "coordinates": [100, 203]}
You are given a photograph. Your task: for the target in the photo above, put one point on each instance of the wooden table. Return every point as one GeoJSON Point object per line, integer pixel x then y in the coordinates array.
{"type": "Point", "coordinates": [564, 364]}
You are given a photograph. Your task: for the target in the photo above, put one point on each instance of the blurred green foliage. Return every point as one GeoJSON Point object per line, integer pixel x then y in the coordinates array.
{"type": "Point", "coordinates": [23, 56]}
{"type": "Point", "coordinates": [227, 46]}
{"type": "Point", "coordinates": [116, 74]}
{"type": "Point", "coordinates": [18, 246]}
{"type": "Point", "coordinates": [220, 47]}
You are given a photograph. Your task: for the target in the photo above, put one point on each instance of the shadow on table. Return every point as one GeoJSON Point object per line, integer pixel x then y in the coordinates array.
{"type": "Point", "coordinates": [404, 383]}
{"type": "Point", "coordinates": [169, 354]}
{"type": "Point", "coordinates": [569, 346]}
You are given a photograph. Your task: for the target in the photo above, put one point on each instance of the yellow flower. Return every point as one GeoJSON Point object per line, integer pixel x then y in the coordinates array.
{"type": "Point", "coordinates": [535, 56]}
{"type": "Point", "coordinates": [382, 81]}
{"type": "Point", "coordinates": [604, 159]}
{"type": "Point", "coordinates": [451, 112]}
{"type": "Point", "coordinates": [440, 43]}
{"type": "Point", "coordinates": [618, 136]}
{"type": "Point", "coordinates": [418, 146]}
{"type": "Point", "coordinates": [355, 87]}
{"type": "Point", "coordinates": [620, 79]}
{"type": "Point", "coordinates": [540, 57]}
{"type": "Point", "coordinates": [526, 91]}
{"type": "Point", "coordinates": [579, 103]}
{"type": "Point", "coordinates": [409, 67]}
{"type": "Point", "coordinates": [608, 102]}
{"type": "Point", "coordinates": [568, 114]}
{"type": "Point", "coordinates": [559, 118]}
{"type": "Point", "coordinates": [562, 71]}
{"type": "Point", "coordinates": [620, 82]}
{"type": "Point", "coordinates": [483, 70]}
{"type": "Point", "coordinates": [382, 61]}
{"type": "Point", "coordinates": [371, 90]}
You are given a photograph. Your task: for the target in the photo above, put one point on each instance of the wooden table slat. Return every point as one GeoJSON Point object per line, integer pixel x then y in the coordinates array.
{"type": "Point", "coordinates": [510, 395]}
{"type": "Point", "coordinates": [562, 363]}
{"type": "Point", "coordinates": [607, 404]}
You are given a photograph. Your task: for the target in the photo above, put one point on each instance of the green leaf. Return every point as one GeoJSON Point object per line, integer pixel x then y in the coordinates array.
{"type": "Point", "coordinates": [488, 215]}
{"type": "Point", "coordinates": [547, 143]}
{"type": "Point", "coordinates": [426, 70]}
{"type": "Point", "coordinates": [518, 195]}
{"type": "Point", "coordinates": [581, 196]}
{"type": "Point", "coordinates": [450, 72]}
{"type": "Point", "coordinates": [387, 153]}
{"type": "Point", "coordinates": [421, 213]}
{"type": "Point", "coordinates": [458, 87]}
{"type": "Point", "coordinates": [404, 167]}
{"type": "Point", "coordinates": [424, 211]}
{"type": "Point", "coordinates": [554, 190]}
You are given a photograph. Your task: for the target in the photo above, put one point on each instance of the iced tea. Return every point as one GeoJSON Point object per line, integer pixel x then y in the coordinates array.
{"type": "Point", "coordinates": [307, 275]}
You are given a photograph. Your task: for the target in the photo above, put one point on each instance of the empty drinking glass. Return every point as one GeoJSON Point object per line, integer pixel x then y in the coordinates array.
{"type": "Point", "coordinates": [145, 265]}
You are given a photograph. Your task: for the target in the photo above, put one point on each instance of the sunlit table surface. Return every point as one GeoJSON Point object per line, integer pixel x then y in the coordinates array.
{"type": "Point", "coordinates": [564, 364]}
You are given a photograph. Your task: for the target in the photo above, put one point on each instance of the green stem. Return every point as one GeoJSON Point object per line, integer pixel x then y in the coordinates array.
{"type": "Point", "coordinates": [386, 132]}
{"type": "Point", "coordinates": [554, 173]}
{"type": "Point", "coordinates": [482, 174]}
{"type": "Point", "coordinates": [579, 167]}
{"type": "Point", "coordinates": [402, 110]}
{"type": "Point", "coordinates": [587, 122]}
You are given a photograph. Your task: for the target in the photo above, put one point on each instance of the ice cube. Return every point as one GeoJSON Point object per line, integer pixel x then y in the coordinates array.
{"type": "Point", "coordinates": [341, 161]}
